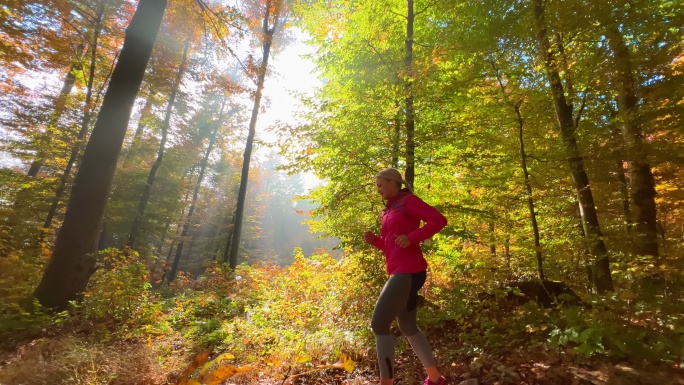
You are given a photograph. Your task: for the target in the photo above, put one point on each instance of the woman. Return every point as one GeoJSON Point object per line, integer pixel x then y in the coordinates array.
{"type": "Point", "coordinates": [399, 240]}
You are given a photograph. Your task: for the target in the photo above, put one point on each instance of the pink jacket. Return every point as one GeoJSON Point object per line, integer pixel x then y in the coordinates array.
{"type": "Point", "coordinates": [402, 217]}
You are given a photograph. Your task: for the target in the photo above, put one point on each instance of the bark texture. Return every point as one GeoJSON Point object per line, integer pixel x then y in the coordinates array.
{"type": "Point", "coordinates": [270, 24]}
{"type": "Point", "coordinates": [135, 228]}
{"type": "Point", "coordinates": [599, 266]}
{"type": "Point", "coordinates": [73, 259]}
{"type": "Point", "coordinates": [410, 109]}
{"type": "Point", "coordinates": [641, 183]}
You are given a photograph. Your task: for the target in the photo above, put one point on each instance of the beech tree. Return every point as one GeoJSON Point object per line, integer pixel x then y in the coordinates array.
{"type": "Point", "coordinates": [268, 19]}
{"type": "Point", "coordinates": [72, 261]}
{"type": "Point", "coordinates": [549, 55]}
{"type": "Point", "coordinates": [132, 238]}
{"type": "Point", "coordinates": [547, 136]}
{"type": "Point", "coordinates": [195, 195]}
{"type": "Point", "coordinates": [466, 152]}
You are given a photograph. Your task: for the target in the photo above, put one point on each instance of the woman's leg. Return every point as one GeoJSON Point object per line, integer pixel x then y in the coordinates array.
{"type": "Point", "coordinates": [391, 302]}
{"type": "Point", "coordinates": [409, 327]}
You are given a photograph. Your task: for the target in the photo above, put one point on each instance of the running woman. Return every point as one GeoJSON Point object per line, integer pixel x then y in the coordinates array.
{"type": "Point", "coordinates": [399, 240]}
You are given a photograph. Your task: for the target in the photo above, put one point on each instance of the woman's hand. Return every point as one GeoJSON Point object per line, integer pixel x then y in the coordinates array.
{"type": "Point", "coordinates": [369, 237]}
{"type": "Point", "coordinates": [402, 241]}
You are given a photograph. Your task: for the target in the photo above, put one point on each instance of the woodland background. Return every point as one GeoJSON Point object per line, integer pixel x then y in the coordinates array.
{"type": "Point", "coordinates": [142, 235]}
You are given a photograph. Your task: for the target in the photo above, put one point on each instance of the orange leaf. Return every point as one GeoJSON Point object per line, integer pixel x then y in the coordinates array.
{"type": "Point", "coordinates": [224, 372]}
{"type": "Point", "coordinates": [196, 363]}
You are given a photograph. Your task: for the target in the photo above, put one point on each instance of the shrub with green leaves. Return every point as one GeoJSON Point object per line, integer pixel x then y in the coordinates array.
{"type": "Point", "coordinates": [19, 313]}
{"type": "Point", "coordinates": [317, 306]}
{"type": "Point", "coordinates": [120, 289]}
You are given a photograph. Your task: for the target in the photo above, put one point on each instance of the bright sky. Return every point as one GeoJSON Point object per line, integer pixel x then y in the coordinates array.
{"type": "Point", "coordinates": [291, 73]}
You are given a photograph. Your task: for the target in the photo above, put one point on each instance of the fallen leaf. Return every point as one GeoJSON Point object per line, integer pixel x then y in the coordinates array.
{"type": "Point", "coordinates": [200, 359]}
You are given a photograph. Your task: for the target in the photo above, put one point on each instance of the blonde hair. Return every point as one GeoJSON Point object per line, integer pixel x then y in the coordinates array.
{"type": "Point", "coordinates": [394, 175]}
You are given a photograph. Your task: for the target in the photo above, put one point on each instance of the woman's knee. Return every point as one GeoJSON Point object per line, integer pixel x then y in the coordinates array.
{"type": "Point", "coordinates": [380, 326]}
{"type": "Point", "coordinates": [408, 325]}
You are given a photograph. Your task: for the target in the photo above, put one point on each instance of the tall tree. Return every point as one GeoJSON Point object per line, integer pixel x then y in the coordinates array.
{"type": "Point", "coordinates": [409, 102]}
{"type": "Point", "coordinates": [641, 182]}
{"type": "Point", "coordinates": [600, 266]}
{"type": "Point", "coordinates": [530, 198]}
{"type": "Point", "coordinates": [195, 195]}
{"type": "Point", "coordinates": [60, 104]}
{"type": "Point", "coordinates": [273, 15]}
{"type": "Point", "coordinates": [72, 261]}
{"type": "Point", "coordinates": [85, 121]}
{"type": "Point", "coordinates": [132, 238]}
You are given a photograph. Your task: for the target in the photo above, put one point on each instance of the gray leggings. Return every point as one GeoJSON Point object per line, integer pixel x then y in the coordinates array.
{"type": "Point", "coordinates": [399, 300]}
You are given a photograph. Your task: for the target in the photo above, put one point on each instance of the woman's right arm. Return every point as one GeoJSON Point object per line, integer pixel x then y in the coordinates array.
{"type": "Point", "coordinates": [374, 240]}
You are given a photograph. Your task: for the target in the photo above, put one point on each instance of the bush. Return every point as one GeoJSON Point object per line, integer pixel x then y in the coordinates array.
{"type": "Point", "coordinates": [20, 315]}
{"type": "Point", "coordinates": [318, 306]}
{"type": "Point", "coordinates": [119, 290]}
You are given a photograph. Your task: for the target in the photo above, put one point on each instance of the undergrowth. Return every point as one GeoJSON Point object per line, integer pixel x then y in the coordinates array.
{"type": "Point", "coordinates": [285, 321]}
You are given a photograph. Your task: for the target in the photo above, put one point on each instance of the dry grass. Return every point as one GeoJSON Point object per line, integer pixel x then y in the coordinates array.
{"type": "Point", "coordinates": [72, 359]}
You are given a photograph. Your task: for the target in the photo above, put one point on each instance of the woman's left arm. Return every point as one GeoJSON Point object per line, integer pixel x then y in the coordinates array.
{"type": "Point", "coordinates": [434, 220]}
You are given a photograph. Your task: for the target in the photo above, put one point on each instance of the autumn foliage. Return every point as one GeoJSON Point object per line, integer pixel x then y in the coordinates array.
{"type": "Point", "coordinates": [163, 242]}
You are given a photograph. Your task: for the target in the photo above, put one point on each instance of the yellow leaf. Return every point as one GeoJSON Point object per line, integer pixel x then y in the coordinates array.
{"type": "Point", "coordinates": [348, 364]}
{"type": "Point", "coordinates": [224, 372]}
{"type": "Point", "coordinates": [221, 374]}
{"type": "Point", "coordinates": [303, 359]}
{"type": "Point", "coordinates": [272, 362]}
{"type": "Point", "coordinates": [217, 360]}
{"type": "Point", "coordinates": [196, 363]}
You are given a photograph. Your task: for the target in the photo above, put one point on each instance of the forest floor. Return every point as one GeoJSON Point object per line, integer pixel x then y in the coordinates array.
{"type": "Point", "coordinates": [523, 365]}
{"type": "Point", "coordinates": [519, 365]}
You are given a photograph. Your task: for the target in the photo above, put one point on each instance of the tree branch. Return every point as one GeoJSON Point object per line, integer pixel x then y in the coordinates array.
{"type": "Point", "coordinates": [382, 59]}
{"type": "Point", "coordinates": [425, 9]}
{"type": "Point", "coordinates": [69, 23]}
{"type": "Point", "coordinates": [106, 80]}
{"type": "Point", "coordinates": [398, 14]}
{"type": "Point", "coordinates": [581, 109]}
{"type": "Point", "coordinates": [537, 159]}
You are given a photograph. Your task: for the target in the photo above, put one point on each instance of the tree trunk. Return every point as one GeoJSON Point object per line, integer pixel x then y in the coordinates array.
{"type": "Point", "coordinates": [16, 235]}
{"type": "Point", "coordinates": [641, 183]}
{"type": "Point", "coordinates": [83, 132]}
{"type": "Point", "coordinates": [229, 242]}
{"type": "Point", "coordinates": [492, 241]}
{"type": "Point", "coordinates": [624, 194]}
{"type": "Point", "coordinates": [145, 115]}
{"type": "Point", "coordinates": [268, 34]}
{"type": "Point", "coordinates": [526, 175]}
{"type": "Point", "coordinates": [195, 196]}
{"type": "Point", "coordinates": [507, 256]}
{"type": "Point", "coordinates": [160, 248]}
{"type": "Point", "coordinates": [410, 109]}
{"type": "Point", "coordinates": [220, 254]}
{"type": "Point", "coordinates": [67, 86]}
{"type": "Point", "coordinates": [102, 239]}
{"type": "Point", "coordinates": [600, 265]}
{"type": "Point", "coordinates": [72, 262]}
{"type": "Point", "coordinates": [396, 137]}
{"type": "Point", "coordinates": [530, 200]}
{"type": "Point", "coordinates": [165, 266]}
{"type": "Point", "coordinates": [132, 238]}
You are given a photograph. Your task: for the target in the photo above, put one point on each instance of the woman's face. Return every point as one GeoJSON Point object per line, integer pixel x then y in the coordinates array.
{"type": "Point", "coordinates": [386, 188]}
